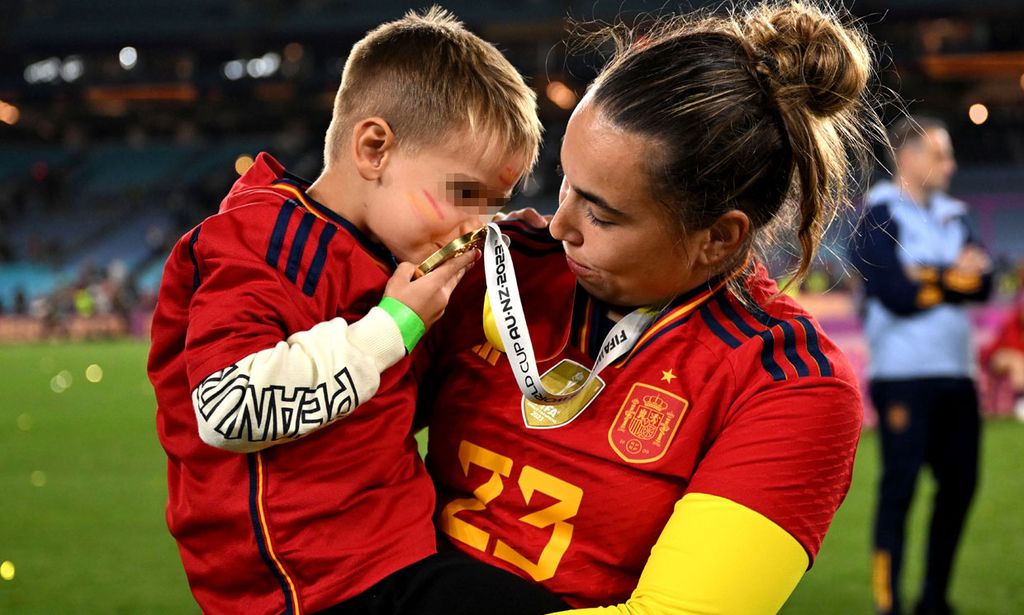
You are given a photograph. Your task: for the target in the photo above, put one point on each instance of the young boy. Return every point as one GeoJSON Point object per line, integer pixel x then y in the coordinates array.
{"type": "Point", "coordinates": [271, 327]}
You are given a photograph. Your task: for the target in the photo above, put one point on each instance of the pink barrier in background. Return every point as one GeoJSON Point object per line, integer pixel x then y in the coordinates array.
{"type": "Point", "coordinates": [837, 313]}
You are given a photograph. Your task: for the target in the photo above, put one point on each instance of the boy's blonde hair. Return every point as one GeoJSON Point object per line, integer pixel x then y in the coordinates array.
{"type": "Point", "coordinates": [432, 80]}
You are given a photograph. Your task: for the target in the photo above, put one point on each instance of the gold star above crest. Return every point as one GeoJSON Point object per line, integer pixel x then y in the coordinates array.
{"type": "Point", "coordinates": [668, 376]}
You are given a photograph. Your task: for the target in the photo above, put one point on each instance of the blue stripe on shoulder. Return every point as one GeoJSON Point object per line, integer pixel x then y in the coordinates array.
{"type": "Point", "coordinates": [377, 250]}
{"type": "Point", "coordinates": [317, 266]}
{"type": "Point", "coordinates": [768, 356]}
{"type": "Point", "coordinates": [767, 338]}
{"type": "Point", "coordinates": [280, 228]}
{"type": "Point", "coordinates": [261, 540]}
{"type": "Point", "coordinates": [291, 270]}
{"type": "Point", "coordinates": [192, 241]}
{"type": "Point", "coordinates": [734, 318]}
{"type": "Point", "coordinates": [789, 345]}
{"type": "Point", "coordinates": [789, 349]}
{"type": "Point", "coordinates": [814, 346]}
{"type": "Point", "coordinates": [761, 316]}
{"type": "Point", "coordinates": [717, 328]}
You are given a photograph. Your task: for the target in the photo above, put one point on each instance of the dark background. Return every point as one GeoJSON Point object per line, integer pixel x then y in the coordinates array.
{"type": "Point", "coordinates": [101, 161]}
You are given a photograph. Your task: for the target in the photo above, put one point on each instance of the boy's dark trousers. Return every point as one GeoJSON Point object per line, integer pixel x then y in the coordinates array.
{"type": "Point", "coordinates": [930, 421]}
{"type": "Point", "coordinates": [451, 583]}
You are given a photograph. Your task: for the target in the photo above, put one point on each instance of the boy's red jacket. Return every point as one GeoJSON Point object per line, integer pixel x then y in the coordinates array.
{"type": "Point", "coordinates": [302, 525]}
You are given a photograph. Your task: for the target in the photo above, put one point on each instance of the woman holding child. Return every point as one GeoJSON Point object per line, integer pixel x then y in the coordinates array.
{"type": "Point", "coordinates": [700, 471]}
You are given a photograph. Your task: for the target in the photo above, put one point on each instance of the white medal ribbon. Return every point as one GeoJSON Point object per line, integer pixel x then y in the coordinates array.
{"type": "Point", "coordinates": [510, 320]}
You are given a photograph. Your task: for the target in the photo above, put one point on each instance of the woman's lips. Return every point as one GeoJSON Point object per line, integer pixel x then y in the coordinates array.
{"type": "Point", "coordinates": [579, 270]}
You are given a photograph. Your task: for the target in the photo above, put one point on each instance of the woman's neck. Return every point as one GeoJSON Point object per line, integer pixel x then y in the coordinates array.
{"type": "Point", "coordinates": [613, 314]}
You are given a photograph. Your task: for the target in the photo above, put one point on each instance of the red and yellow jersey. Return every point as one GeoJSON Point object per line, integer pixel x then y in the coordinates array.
{"type": "Point", "coordinates": [302, 525]}
{"type": "Point", "coordinates": [746, 401]}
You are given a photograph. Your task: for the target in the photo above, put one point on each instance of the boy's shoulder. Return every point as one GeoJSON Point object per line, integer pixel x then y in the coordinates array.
{"type": "Point", "coordinates": [270, 224]}
{"type": "Point", "coordinates": [270, 236]}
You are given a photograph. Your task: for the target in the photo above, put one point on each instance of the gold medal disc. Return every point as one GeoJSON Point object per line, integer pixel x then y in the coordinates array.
{"type": "Point", "coordinates": [459, 245]}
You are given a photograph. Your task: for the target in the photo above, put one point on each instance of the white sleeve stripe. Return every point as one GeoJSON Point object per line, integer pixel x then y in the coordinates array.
{"type": "Point", "coordinates": [234, 409]}
{"type": "Point", "coordinates": [301, 384]}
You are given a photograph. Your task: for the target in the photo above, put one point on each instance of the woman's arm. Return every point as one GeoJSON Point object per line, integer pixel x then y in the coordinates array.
{"type": "Point", "coordinates": [761, 500]}
{"type": "Point", "coordinates": [715, 557]}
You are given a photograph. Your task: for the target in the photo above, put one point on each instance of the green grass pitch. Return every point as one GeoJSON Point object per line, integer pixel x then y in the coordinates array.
{"type": "Point", "coordinates": [82, 491]}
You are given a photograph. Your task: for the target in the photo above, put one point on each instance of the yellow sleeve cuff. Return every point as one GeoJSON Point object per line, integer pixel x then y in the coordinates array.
{"type": "Point", "coordinates": [928, 296]}
{"type": "Point", "coordinates": [963, 283]}
{"type": "Point", "coordinates": [715, 557]}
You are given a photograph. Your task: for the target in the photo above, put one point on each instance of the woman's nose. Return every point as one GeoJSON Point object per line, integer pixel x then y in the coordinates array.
{"type": "Point", "coordinates": [562, 225]}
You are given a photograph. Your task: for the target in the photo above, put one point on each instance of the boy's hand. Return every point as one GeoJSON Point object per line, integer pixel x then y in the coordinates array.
{"type": "Point", "coordinates": [428, 296]}
{"type": "Point", "coordinates": [529, 215]}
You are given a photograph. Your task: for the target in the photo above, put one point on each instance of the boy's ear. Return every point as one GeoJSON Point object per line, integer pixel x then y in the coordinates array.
{"type": "Point", "coordinates": [725, 236]}
{"type": "Point", "coordinates": [372, 142]}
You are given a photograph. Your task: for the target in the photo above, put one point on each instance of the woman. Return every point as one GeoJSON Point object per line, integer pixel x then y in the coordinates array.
{"type": "Point", "coordinates": [700, 471]}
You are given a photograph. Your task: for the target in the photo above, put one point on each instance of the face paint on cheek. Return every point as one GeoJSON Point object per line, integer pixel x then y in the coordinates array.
{"type": "Point", "coordinates": [433, 203]}
{"type": "Point", "coordinates": [508, 177]}
{"type": "Point", "coordinates": [424, 209]}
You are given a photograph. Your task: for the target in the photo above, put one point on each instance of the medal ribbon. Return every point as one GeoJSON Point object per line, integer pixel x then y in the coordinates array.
{"type": "Point", "coordinates": [510, 320]}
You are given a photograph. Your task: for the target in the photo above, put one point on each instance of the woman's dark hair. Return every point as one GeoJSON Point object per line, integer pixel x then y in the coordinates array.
{"type": "Point", "coordinates": [755, 110]}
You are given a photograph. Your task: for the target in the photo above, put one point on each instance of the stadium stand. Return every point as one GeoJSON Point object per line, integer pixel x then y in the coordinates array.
{"type": "Point", "coordinates": [114, 156]}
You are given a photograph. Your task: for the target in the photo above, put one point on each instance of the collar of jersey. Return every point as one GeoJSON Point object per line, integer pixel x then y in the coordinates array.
{"type": "Point", "coordinates": [295, 187]}
{"type": "Point", "coordinates": [675, 313]}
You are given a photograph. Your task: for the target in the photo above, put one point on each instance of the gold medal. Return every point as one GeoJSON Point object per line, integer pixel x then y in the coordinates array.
{"type": "Point", "coordinates": [458, 246]}
{"type": "Point", "coordinates": [567, 376]}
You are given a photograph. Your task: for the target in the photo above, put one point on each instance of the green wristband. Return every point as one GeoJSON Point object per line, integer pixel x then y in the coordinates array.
{"type": "Point", "coordinates": [409, 323]}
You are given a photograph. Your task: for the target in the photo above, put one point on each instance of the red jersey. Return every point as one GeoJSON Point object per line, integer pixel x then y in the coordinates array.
{"type": "Point", "coordinates": [309, 523]}
{"type": "Point", "coordinates": [747, 402]}
{"type": "Point", "coordinates": [1009, 337]}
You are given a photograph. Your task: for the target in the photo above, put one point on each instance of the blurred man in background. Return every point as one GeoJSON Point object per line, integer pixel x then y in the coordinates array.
{"type": "Point", "coordinates": [921, 265]}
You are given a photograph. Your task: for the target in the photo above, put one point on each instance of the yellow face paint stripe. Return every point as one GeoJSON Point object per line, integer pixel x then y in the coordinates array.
{"type": "Point", "coordinates": [427, 211]}
{"type": "Point", "coordinates": [266, 535]}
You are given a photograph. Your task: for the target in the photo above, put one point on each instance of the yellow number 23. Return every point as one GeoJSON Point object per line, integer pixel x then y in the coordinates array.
{"type": "Point", "coordinates": [531, 480]}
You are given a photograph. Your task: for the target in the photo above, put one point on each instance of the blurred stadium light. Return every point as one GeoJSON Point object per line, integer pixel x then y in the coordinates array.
{"type": "Point", "coordinates": [172, 92]}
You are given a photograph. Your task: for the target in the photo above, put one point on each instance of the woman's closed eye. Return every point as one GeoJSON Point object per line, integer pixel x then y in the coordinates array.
{"type": "Point", "coordinates": [588, 212]}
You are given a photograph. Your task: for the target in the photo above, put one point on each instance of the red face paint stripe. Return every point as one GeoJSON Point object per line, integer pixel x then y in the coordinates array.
{"type": "Point", "coordinates": [433, 203]}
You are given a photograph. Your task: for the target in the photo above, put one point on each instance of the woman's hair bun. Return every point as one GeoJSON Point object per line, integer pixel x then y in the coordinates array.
{"type": "Point", "coordinates": [809, 56]}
